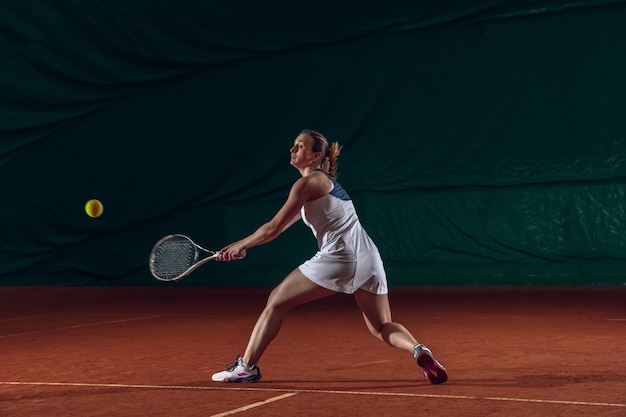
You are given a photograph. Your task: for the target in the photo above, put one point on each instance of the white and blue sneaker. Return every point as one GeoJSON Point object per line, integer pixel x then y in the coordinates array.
{"type": "Point", "coordinates": [434, 371]}
{"type": "Point", "coordinates": [238, 372]}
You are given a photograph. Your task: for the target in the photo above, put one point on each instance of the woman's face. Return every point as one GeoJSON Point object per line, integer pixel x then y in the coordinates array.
{"type": "Point", "coordinates": [302, 154]}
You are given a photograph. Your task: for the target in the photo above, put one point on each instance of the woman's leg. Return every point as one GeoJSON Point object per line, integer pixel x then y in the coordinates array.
{"type": "Point", "coordinates": [377, 315]}
{"type": "Point", "coordinates": [295, 289]}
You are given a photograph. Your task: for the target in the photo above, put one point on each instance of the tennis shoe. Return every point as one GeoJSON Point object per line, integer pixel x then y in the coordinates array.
{"type": "Point", "coordinates": [238, 372]}
{"type": "Point", "coordinates": [434, 371]}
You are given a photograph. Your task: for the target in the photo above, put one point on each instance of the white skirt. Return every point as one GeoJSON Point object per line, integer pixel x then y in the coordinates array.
{"type": "Point", "coordinates": [364, 271]}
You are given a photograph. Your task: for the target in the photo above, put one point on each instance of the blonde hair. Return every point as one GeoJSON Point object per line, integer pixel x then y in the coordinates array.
{"type": "Point", "coordinates": [330, 153]}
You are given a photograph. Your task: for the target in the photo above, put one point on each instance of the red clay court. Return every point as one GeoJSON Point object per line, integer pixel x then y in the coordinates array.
{"type": "Point", "coordinates": [150, 351]}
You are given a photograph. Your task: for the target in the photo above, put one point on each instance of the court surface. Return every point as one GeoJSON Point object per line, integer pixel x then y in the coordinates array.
{"type": "Point", "coordinates": [150, 351]}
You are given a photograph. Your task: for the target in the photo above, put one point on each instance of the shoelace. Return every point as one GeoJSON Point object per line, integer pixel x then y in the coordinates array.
{"type": "Point", "coordinates": [232, 366]}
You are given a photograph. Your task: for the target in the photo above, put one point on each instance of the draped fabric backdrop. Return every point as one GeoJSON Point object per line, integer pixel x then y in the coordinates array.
{"type": "Point", "coordinates": [484, 141]}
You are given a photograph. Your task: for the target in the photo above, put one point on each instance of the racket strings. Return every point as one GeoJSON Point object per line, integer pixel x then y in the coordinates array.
{"type": "Point", "coordinates": [173, 257]}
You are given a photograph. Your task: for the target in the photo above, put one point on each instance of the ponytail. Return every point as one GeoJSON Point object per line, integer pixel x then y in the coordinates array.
{"type": "Point", "coordinates": [331, 160]}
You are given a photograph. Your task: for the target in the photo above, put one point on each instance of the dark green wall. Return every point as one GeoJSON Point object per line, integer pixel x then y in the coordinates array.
{"type": "Point", "coordinates": [483, 142]}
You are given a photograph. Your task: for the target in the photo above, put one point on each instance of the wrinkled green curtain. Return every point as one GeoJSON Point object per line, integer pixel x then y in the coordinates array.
{"type": "Point", "coordinates": [484, 142]}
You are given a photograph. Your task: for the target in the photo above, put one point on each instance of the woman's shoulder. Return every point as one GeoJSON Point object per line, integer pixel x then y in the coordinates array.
{"type": "Point", "coordinates": [314, 185]}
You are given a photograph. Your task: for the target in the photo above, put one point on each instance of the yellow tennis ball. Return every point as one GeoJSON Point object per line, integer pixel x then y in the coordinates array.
{"type": "Point", "coordinates": [94, 208]}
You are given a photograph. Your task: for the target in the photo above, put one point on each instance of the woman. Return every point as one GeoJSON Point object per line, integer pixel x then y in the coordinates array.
{"type": "Point", "coordinates": [348, 261]}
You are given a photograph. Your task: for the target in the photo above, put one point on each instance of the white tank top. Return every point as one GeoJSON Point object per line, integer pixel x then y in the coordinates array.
{"type": "Point", "coordinates": [335, 224]}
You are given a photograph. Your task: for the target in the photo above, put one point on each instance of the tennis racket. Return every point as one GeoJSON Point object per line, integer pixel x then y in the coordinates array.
{"type": "Point", "coordinates": [176, 256]}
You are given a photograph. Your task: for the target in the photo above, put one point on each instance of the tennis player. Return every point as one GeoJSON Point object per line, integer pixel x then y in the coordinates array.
{"type": "Point", "coordinates": [348, 261]}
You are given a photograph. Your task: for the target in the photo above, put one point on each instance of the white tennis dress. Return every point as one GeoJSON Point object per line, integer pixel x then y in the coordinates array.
{"type": "Point", "coordinates": [347, 258]}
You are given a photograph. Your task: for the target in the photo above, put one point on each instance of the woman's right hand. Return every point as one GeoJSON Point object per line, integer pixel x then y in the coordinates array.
{"type": "Point", "coordinates": [232, 252]}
